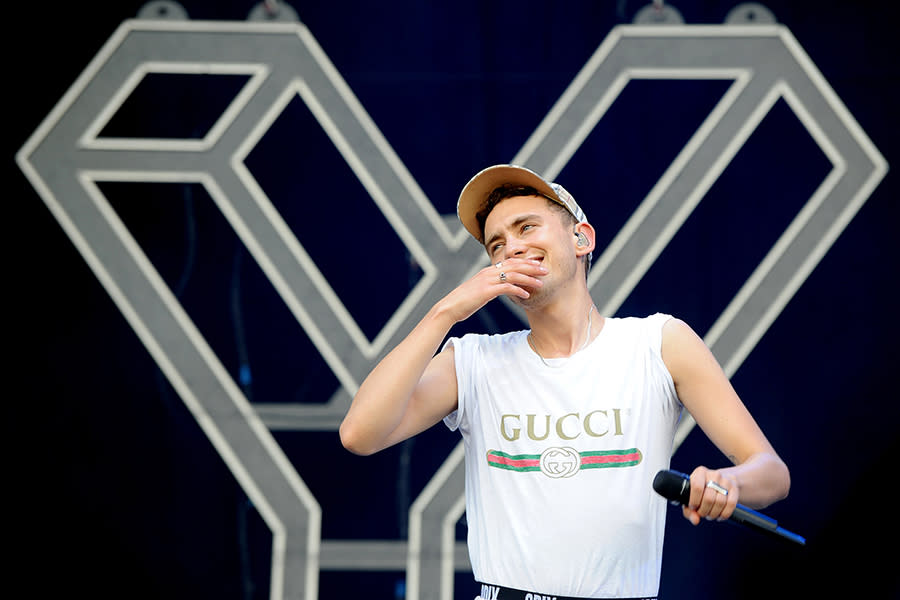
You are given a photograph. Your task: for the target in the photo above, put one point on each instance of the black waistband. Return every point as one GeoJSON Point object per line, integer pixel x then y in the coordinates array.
{"type": "Point", "coordinates": [498, 592]}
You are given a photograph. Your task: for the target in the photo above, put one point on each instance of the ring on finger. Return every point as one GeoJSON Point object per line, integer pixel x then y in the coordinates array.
{"type": "Point", "coordinates": [498, 264]}
{"type": "Point", "coordinates": [502, 277]}
{"type": "Point", "coordinates": [717, 487]}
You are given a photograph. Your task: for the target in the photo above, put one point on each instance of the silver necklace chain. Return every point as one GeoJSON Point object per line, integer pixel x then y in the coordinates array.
{"type": "Point", "coordinates": [587, 338]}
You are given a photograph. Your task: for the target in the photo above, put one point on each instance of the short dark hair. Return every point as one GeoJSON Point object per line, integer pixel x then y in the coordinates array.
{"type": "Point", "coordinates": [514, 191]}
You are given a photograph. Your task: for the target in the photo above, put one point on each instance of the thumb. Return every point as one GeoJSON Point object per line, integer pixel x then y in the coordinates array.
{"type": "Point", "coordinates": [691, 515]}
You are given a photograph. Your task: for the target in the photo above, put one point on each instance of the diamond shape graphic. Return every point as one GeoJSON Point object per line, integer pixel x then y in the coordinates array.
{"type": "Point", "coordinates": [766, 64]}
{"type": "Point", "coordinates": [65, 158]}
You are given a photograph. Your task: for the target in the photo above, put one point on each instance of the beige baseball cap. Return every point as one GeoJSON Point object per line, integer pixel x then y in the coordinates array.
{"type": "Point", "coordinates": [474, 195]}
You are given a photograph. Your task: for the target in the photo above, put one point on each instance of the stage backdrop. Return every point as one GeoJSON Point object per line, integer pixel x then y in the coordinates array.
{"type": "Point", "coordinates": [225, 213]}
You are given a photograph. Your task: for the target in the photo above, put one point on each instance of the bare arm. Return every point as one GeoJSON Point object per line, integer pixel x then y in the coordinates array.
{"type": "Point", "coordinates": [411, 389]}
{"type": "Point", "coordinates": [759, 477]}
{"type": "Point", "coordinates": [407, 392]}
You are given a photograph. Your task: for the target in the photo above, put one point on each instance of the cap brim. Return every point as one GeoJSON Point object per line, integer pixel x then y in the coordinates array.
{"type": "Point", "coordinates": [475, 194]}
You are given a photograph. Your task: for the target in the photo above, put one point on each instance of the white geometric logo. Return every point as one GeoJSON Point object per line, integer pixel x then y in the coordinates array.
{"type": "Point", "coordinates": [64, 159]}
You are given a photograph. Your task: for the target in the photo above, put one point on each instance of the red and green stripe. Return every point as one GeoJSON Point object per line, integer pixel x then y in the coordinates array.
{"type": "Point", "coordinates": [514, 462]}
{"type": "Point", "coordinates": [604, 459]}
{"type": "Point", "coordinates": [597, 459]}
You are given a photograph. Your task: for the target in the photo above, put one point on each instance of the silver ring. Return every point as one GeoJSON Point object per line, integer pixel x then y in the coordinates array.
{"type": "Point", "coordinates": [502, 277]}
{"type": "Point", "coordinates": [717, 487]}
{"type": "Point", "coordinates": [498, 264]}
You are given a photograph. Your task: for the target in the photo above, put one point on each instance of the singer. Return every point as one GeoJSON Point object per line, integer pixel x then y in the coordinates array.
{"type": "Point", "coordinates": [565, 424]}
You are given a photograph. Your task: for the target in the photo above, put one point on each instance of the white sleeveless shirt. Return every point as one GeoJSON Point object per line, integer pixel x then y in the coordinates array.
{"type": "Point", "coordinates": [560, 460]}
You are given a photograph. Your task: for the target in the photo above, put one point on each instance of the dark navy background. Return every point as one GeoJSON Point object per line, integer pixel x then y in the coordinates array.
{"type": "Point", "coordinates": [115, 491]}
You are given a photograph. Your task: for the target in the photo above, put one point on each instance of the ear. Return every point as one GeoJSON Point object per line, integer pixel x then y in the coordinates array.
{"type": "Point", "coordinates": [585, 238]}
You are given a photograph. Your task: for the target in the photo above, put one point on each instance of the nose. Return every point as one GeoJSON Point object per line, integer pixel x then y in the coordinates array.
{"type": "Point", "coordinates": [514, 247]}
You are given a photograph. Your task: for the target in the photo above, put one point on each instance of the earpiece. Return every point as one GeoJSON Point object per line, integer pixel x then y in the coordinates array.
{"type": "Point", "coordinates": [582, 239]}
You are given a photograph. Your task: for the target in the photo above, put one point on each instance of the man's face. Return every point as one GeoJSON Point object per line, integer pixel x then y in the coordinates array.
{"type": "Point", "coordinates": [527, 227]}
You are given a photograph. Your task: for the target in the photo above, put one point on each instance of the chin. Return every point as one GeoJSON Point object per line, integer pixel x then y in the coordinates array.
{"type": "Point", "coordinates": [534, 300]}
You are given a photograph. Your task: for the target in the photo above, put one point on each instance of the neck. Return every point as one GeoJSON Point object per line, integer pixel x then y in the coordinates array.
{"type": "Point", "coordinates": [560, 337]}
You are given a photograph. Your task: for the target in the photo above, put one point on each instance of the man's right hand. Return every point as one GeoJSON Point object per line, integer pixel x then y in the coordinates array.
{"type": "Point", "coordinates": [512, 277]}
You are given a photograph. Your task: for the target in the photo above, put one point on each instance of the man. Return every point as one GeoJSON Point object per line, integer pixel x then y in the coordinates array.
{"type": "Point", "coordinates": [566, 424]}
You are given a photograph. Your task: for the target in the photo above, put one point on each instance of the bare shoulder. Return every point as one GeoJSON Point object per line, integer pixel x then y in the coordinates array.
{"type": "Point", "coordinates": [679, 337]}
{"type": "Point", "coordinates": [685, 353]}
{"type": "Point", "coordinates": [437, 387]}
{"type": "Point", "coordinates": [675, 329]}
{"type": "Point", "coordinates": [444, 361]}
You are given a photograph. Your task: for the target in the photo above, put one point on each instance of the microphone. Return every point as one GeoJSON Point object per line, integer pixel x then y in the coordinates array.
{"type": "Point", "coordinates": [676, 486]}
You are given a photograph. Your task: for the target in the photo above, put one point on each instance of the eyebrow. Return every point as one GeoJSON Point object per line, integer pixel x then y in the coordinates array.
{"type": "Point", "coordinates": [518, 221]}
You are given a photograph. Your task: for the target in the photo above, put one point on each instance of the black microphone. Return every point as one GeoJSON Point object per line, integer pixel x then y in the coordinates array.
{"type": "Point", "coordinates": [676, 486]}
